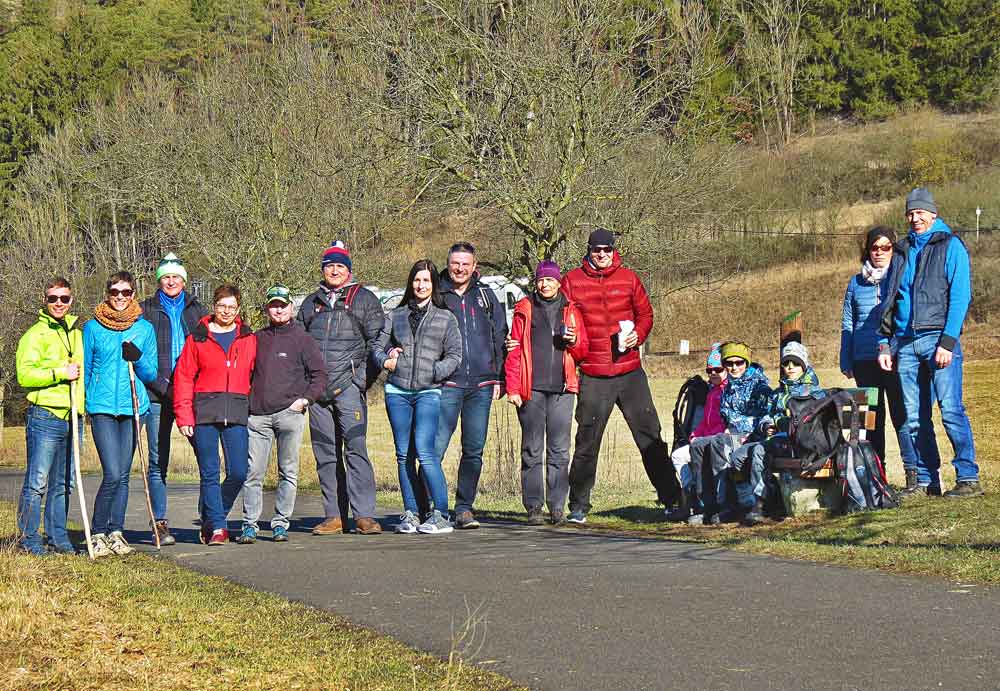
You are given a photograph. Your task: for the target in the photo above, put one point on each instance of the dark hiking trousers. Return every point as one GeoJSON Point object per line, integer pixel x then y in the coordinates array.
{"type": "Point", "coordinates": [630, 392]}
{"type": "Point", "coordinates": [546, 421]}
{"type": "Point", "coordinates": [339, 430]}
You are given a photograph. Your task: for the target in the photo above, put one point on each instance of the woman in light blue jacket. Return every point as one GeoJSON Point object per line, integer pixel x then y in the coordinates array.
{"type": "Point", "coordinates": [117, 333]}
{"type": "Point", "coordinates": [859, 337]}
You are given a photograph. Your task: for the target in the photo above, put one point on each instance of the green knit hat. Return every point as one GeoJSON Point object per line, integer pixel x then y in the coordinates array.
{"type": "Point", "coordinates": [735, 349]}
{"type": "Point", "coordinates": [170, 265]}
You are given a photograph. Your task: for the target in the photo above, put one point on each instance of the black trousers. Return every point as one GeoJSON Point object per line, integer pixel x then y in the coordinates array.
{"type": "Point", "coordinates": [598, 396]}
{"type": "Point", "coordinates": [868, 373]}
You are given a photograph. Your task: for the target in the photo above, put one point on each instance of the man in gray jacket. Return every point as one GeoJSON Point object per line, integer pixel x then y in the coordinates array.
{"type": "Point", "coordinates": [349, 326]}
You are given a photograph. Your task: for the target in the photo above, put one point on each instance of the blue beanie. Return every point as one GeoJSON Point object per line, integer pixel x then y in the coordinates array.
{"type": "Point", "coordinates": [715, 356]}
{"type": "Point", "coordinates": [920, 198]}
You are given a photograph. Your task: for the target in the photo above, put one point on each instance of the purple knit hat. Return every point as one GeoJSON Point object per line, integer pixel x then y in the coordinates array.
{"type": "Point", "coordinates": [548, 269]}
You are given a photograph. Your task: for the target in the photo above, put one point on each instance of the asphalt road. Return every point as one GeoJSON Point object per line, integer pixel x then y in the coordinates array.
{"type": "Point", "coordinates": [567, 609]}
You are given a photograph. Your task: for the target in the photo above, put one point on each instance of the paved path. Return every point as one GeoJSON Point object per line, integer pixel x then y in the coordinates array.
{"type": "Point", "coordinates": [564, 609]}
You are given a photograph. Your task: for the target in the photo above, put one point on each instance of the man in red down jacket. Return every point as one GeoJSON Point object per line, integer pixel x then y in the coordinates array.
{"type": "Point", "coordinates": [607, 293]}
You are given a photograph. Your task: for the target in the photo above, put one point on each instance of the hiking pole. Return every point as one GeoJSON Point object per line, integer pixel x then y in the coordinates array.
{"type": "Point", "coordinates": [74, 427]}
{"type": "Point", "coordinates": [138, 449]}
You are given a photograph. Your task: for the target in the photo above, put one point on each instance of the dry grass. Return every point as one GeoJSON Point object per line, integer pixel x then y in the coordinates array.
{"type": "Point", "coordinates": [143, 623]}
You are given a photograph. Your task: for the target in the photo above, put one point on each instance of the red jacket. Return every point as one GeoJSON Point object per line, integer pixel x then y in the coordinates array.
{"type": "Point", "coordinates": [517, 370]}
{"type": "Point", "coordinates": [211, 385]}
{"type": "Point", "coordinates": [605, 297]}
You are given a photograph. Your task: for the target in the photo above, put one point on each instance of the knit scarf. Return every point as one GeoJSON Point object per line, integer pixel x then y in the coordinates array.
{"type": "Point", "coordinates": [117, 320]}
{"type": "Point", "coordinates": [873, 275]}
{"type": "Point", "coordinates": [174, 307]}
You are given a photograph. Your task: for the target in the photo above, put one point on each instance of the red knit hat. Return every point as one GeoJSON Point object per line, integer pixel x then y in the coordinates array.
{"type": "Point", "coordinates": [336, 253]}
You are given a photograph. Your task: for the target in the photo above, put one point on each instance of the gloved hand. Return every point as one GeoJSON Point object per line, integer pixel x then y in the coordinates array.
{"type": "Point", "coordinates": [130, 353]}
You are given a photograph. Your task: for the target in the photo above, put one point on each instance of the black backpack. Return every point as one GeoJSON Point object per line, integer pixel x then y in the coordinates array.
{"type": "Point", "coordinates": [689, 407]}
{"type": "Point", "coordinates": [815, 429]}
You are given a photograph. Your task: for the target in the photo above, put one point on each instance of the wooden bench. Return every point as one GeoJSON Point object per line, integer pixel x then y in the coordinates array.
{"type": "Point", "coordinates": [867, 400]}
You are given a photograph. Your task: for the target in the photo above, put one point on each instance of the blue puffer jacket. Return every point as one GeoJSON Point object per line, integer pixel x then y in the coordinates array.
{"type": "Point", "coordinates": [745, 400]}
{"type": "Point", "coordinates": [105, 373]}
{"type": "Point", "coordinates": [859, 325]}
{"type": "Point", "coordinates": [777, 411]}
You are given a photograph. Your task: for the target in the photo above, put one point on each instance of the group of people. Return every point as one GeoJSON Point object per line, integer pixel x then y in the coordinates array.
{"type": "Point", "coordinates": [573, 347]}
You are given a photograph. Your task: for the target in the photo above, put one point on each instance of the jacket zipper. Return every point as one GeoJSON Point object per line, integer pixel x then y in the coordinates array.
{"type": "Point", "coordinates": [416, 351]}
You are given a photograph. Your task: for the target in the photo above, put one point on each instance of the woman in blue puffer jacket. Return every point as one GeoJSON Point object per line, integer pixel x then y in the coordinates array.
{"type": "Point", "coordinates": [859, 336]}
{"type": "Point", "coordinates": [116, 334]}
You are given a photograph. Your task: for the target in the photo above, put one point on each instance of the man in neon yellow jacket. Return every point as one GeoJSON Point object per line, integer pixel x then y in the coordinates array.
{"type": "Point", "coordinates": [49, 357]}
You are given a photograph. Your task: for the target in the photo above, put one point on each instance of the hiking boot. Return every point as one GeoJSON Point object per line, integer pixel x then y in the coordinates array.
{"type": "Point", "coordinates": [330, 526]}
{"type": "Point", "coordinates": [678, 514]}
{"type": "Point", "coordinates": [66, 549]}
{"type": "Point", "coordinates": [465, 520]}
{"type": "Point", "coordinates": [535, 517]}
{"type": "Point", "coordinates": [932, 490]}
{"type": "Point", "coordinates": [912, 486]}
{"type": "Point", "coordinates": [100, 545]}
{"type": "Point", "coordinates": [248, 536]}
{"type": "Point", "coordinates": [220, 536]}
{"type": "Point", "coordinates": [407, 523]}
{"type": "Point", "coordinates": [118, 545]}
{"type": "Point", "coordinates": [578, 517]}
{"type": "Point", "coordinates": [557, 517]}
{"type": "Point", "coordinates": [436, 524]}
{"type": "Point", "coordinates": [367, 526]}
{"type": "Point", "coordinates": [756, 515]}
{"type": "Point", "coordinates": [964, 489]}
{"type": "Point", "coordinates": [163, 531]}
{"type": "Point", "coordinates": [279, 534]}
{"type": "Point", "coordinates": [204, 535]}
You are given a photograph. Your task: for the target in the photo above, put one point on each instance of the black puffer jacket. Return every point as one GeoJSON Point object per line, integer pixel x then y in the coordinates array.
{"type": "Point", "coordinates": [161, 391]}
{"type": "Point", "coordinates": [347, 338]}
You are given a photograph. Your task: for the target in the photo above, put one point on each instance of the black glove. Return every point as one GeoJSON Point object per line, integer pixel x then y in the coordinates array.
{"type": "Point", "coordinates": [130, 352]}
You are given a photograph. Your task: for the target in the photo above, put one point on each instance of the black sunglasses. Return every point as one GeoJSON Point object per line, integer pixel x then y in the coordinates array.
{"type": "Point", "coordinates": [602, 248]}
{"type": "Point", "coordinates": [53, 299]}
{"type": "Point", "coordinates": [714, 370]}
{"type": "Point", "coordinates": [734, 363]}
{"type": "Point", "coordinates": [124, 292]}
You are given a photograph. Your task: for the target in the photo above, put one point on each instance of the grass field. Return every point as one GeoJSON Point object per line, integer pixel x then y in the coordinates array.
{"type": "Point", "coordinates": [145, 623]}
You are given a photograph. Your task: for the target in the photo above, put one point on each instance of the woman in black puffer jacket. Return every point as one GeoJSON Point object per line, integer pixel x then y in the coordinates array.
{"type": "Point", "coordinates": [424, 348]}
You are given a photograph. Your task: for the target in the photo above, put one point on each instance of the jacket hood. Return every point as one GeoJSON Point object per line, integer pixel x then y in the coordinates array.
{"type": "Point", "coordinates": [591, 270]}
{"type": "Point", "coordinates": [201, 332]}
{"type": "Point", "coordinates": [808, 380]}
{"type": "Point", "coordinates": [938, 231]}
{"type": "Point", "coordinates": [753, 375]}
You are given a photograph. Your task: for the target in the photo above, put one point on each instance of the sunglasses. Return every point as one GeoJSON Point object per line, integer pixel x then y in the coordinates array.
{"type": "Point", "coordinates": [53, 299]}
{"type": "Point", "coordinates": [714, 370]}
{"type": "Point", "coordinates": [734, 363]}
{"type": "Point", "coordinates": [881, 248]}
{"type": "Point", "coordinates": [602, 249]}
{"type": "Point", "coordinates": [124, 292]}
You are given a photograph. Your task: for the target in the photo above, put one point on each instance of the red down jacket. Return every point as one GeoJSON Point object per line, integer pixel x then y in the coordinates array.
{"type": "Point", "coordinates": [517, 369]}
{"type": "Point", "coordinates": [211, 385]}
{"type": "Point", "coordinates": [605, 297]}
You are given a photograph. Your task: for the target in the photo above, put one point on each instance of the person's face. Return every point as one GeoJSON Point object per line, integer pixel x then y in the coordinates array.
{"type": "Point", "coordinates": [920, 220]}
{"type": "Point", "coordinates": [791, 370]}
{"type": "Point", "coordinates": [880, 253]}
{"type": "Point", "coordinates": [601, 255]}
{"type": "Point", "coordinates": [547, 287]}
{"type": "Point", "coordinates": [422, 286]}
{"type": "Point", "coordinates": [336, 274]}
{"type": "Point", "coordinates": [172, 285]}
{"type": "Point", "coordinates": [120, 294]}
{"type": "Point", "coordinates": [225, 310]}
{"type": "Point", "coordinates": [735, 367]}
{"type": "Point", "coordinates": [461, 267]}
{"type": "Point", "coordinates": [278, 311]}
{"type": "Point", "coordinates": [58, 302]}
{"type": "Point", "coordinates": [716, 375]}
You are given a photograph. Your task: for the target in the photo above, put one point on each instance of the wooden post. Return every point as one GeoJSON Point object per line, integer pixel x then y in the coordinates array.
{"type": "Point", "coordinates": [791, 328]}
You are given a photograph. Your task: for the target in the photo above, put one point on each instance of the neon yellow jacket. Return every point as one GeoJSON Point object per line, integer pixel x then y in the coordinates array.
{"type": "Point", "coordinates": [42, 355]}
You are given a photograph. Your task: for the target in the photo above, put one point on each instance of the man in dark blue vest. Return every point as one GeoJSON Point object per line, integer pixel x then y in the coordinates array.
{"type": "Point", "coordinates": [928, 298]}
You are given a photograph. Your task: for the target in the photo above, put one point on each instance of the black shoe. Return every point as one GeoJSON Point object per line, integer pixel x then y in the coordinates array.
{"type": "Point", "coordinates": [964, 489]}
{"type": "Point", "coordinates": [932, 490]}
{"type": "Point", "coordinates": [465, 520]}
{"type": "Point", "coordinates": [535, 517]}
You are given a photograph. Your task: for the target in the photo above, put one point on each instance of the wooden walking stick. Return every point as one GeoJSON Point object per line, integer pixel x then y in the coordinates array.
{"type": "Point", "coordinates": [138, 448]}
{"type": "Point", "coordinates": [74, 428]}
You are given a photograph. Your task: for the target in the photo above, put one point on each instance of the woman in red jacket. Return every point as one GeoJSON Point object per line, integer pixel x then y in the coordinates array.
{"type": "Point", "coordinates": [547, 339]}
{"type": "Point", "coordinates": [211, 403]}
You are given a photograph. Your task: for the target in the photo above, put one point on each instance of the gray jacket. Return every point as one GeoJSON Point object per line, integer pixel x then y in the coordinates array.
{"type": "Point", "coordinates": [427, 359]}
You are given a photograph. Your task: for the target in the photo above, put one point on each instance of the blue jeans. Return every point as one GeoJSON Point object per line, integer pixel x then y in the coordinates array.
{"type": "Point", "coordinates": [920, 379]}
{"type": "Point", "coordinates": [473, 405]}
{"type": "Point", "coordinates": [49, 472]}
{"type": "Point", "coordinates": [413, 417]}
{"type": "Point", "coordinates": [159, 421]}
{"type": "Point", "coordinates": [217, 499]}
{"type": "Point", "coordinates": [114, 437]}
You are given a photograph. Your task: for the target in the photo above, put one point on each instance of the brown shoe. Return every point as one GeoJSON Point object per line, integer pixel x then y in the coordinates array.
{"type": "Point", "coordinates": [331, 526]}
{"type": "Point", "coordinates": [368, 526]}
{"type": "Point", "coordinates": [163, 530]}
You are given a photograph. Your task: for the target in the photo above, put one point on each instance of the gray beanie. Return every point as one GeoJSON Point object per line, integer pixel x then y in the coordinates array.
{"type": "Point", "coordinates": [920, 198]}
{"type": "Point", "coordinates": [794, 350]}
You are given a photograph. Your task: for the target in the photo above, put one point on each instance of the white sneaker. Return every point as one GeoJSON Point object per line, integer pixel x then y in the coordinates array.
{"type": "Point", "coordinates": [117, 544]}
{"type": "Point", "coordinates": [100, 545]}
{"type": "Point", "coordinates": [436, 524]}
{"type": "Point", "coordinates": [408, 523]}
